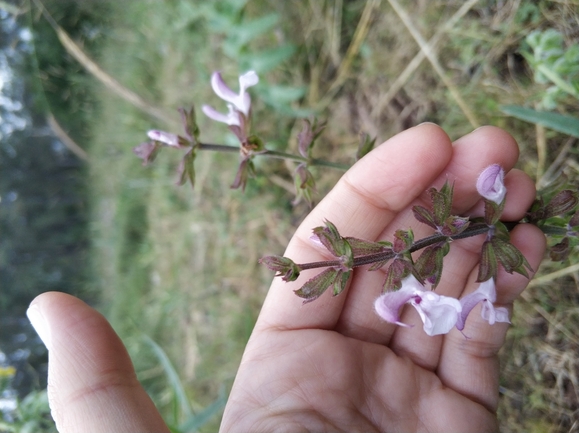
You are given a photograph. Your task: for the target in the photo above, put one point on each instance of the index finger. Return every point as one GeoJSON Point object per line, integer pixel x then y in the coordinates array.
{"type": "Point", "coordinates": [362, 204]}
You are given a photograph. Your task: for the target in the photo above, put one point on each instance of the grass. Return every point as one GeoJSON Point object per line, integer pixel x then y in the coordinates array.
{"type": "Point", "coordinates": [178, 266]}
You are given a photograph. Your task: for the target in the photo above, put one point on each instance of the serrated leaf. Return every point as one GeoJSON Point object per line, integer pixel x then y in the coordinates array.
{"type": "Point", "coordinates": [361, 247]}
{"type": "Point", "coordinates": [566, 124]}
{"type": "Point", "coordinates": [317, 285]}
{"type": "Point", "coordinates": [396, 272]}
{"type": "Point", "coordinates": [510, 257]}
{"type": "Point", "coordinates": [340, 282]}
{"type": "Point", "coordinates": [403, 240]}
{"type": "Point", "coordinates": [429, 264]}
{"type": "Point", "coordinates": [424, 216]}
{"type": "Point", "coordinates": [488, 263]}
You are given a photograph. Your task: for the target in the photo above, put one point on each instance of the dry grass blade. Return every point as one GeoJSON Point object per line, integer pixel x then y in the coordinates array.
{"type": "Point", "coordinates": [555, 166]}
{"type": "Point", "coordinates": [541, 151]}
{"type": "Point", "coordinates": [555, 323]}
{"type": "Point", "coordinates": [94, 69]}
{"type": "Point", "coordinates": [353, 49]}
{"type": "Point", "coordinates": [432, 58]}
{"type": "Point", "coordinates": [554, 275]}
{"type": "Point", "coordinates": [419, 57]}
{"type": "Point", "coordinates": [65, 139]}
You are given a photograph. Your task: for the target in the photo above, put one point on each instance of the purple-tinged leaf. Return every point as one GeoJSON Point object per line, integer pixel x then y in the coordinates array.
{"type": "Point", "coordinates": [308, 135]}
{"type": "Point", "coordinates": [424, 216]}
{"type": "Point", "coordinates": [510, 257]}
{"type": "Point", "coordinates": [565, 201]}
{"type": "Point", "coordinates": [488, 265]}
{"type": "Point", "coordinates": [429, 264]}
{"type": "Point", "coordinates": [560, 252]}
{"type": "Point", "coordinates": [403, 240]}
{"type": "Point", "coordinates": [396, 272]}
{"type": "Point", "coordinates": [362, 247]}
{"type": "Point", "coordinates": [147, 151]}
{"type": "Point", "coordinates": [317, 285]}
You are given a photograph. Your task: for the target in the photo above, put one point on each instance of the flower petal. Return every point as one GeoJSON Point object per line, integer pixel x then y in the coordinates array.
{"type": "Point", "coordinates": [231, 118]}
{"type": "Point", "coordinates": [486, 293]}
{"type": "Point", "coordinates": [490, 184]}
{"type": "Point", "coordinates": [222, 90]}
{"type": "Point", "coordinates": [246, 80]}
{"type": "Point", "coordinates": [438, 313]}
{"type": "Point", "coordinates": [389, 304]}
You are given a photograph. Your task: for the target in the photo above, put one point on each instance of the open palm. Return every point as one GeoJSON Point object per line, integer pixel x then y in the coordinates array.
{"type": "Point", "coordinates": [334, 365]}
{"type": "Point", "coordinates": [331, 365]}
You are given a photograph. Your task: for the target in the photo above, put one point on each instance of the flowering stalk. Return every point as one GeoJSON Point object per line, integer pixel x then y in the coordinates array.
{"type": "Point", "coordinates": [406, 278]}
{"type": "Point", "coordinates": [238, 119]}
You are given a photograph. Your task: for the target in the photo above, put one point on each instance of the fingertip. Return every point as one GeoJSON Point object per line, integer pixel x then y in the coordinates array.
{"type": "Point", "coordinates": [521, 193]}
{"type": "Point", "coordinates": [92, 385]}
{"type": "Point", "coordinates": [493, 139]}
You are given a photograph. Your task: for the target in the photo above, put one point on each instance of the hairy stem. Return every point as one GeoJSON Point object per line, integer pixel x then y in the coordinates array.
{"type": "Point", "coordinates": [472, 230]}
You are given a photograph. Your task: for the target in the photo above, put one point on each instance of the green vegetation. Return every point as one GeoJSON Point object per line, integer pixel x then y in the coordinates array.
{"type": "Point", "coordinates": [176, 268]}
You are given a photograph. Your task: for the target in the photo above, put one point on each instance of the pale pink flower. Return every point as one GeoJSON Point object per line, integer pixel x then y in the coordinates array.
{"type": "Point", "coordinates": [238, 103]}
{"type": "Point", "coordinates": [490, 184]}
{"type": "Point", "coordinates": [487, 294]}
{"type": "Point", "coordinates": [438, 313]}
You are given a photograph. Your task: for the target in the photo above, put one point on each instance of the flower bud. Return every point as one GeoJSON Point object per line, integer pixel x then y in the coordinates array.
{"type": "Point", "coordinates": [285, 268]}
{"type": "Point", "coordinates": [164, 137]}
{"type": "Point", "coordinates": [560, 252]}
{"type": "Point", "coordinates": [562, 203]}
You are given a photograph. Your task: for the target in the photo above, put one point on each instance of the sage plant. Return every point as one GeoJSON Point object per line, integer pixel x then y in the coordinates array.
{"type": "Point", "coordinates": [407, 280]}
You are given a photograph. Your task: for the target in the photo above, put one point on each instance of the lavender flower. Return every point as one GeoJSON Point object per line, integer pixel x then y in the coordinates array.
{"type": "Point", "coordinates": [487, 294]}
{"type": "Point", "coordinates": [239, 104]}
{"type": "Point", "coordinates": [438, 313]}
{"type": "Point", "coordinates": [490, 184]}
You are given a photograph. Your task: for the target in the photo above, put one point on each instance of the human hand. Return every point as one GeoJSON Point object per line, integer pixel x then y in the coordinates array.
{"type": "Point", "coordinates": [331, 365]}
{"type": "Point", "coordinates": [334, 365]}
{"type": "Point", "coordinates": [92, 385]}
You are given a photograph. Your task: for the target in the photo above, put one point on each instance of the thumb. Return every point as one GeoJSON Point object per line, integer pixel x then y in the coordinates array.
{"type": "Point", "coordinates": [92, 385]}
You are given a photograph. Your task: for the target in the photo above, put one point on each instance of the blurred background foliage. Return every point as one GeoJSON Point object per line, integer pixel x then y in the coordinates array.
{"type": "Point", "coordinates": [174, 268]}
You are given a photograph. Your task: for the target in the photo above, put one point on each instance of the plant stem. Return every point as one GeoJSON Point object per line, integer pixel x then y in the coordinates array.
{"type": "Point", "coordinates": [275, 154]}
{"type": "Point", "coordinates": [472, 230]}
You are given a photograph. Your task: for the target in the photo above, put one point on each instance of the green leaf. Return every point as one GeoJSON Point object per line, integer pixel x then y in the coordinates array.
{"type": "Point", "coordinates": [340, 282]}
{"type": "Point", "coordinates": [366, 145]}
{"type": "Point", "coordinates": [264, 61]}
{"type": "Point", "coordinates": [557, 122]}
{"type": "Point", "coordinates": [172, 376]}
{"type": "Point", "coordinates": [314, 287]}
{"type": "Point", "coordinates": [195, 422]}
{"type": "Point", "coordinates": [248, 30]}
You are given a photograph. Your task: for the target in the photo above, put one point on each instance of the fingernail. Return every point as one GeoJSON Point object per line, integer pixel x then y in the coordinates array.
{"type": "Point", "coordinates": [39, 324]}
